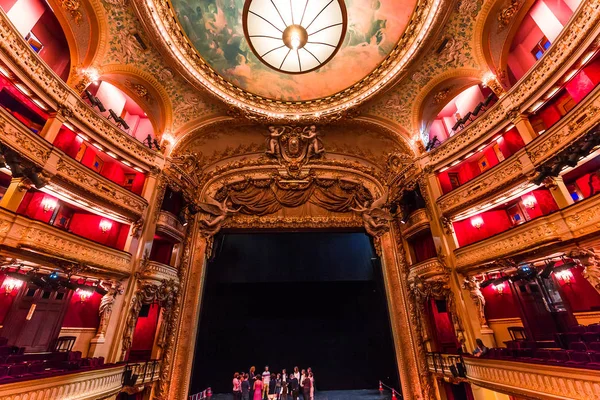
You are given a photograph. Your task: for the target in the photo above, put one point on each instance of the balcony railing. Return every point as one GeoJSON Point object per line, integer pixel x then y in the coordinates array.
{"type": "Point", "coordinates": [158, 271]}
{"type": "Point", "coordinates": [574, 39]}
{"type": "Point", "coordinates": [539, 381]}
{"type": "Point", "coordinates": [416, 221]}
{"type": "Point", "coordinates": [512, 173]}
{"type": "Point", "coordinates": [93, 384]}
{"type": "Point", "coordinates": [427, 269]}
{"type": "Point", "coordinates": [169, 225]}
{"type": "Point", "coordinates": [574, 222]}
{"type": "Point", "coordinates": [70, 176]}
{"type": "Point", "coordinates": [447, 365]}
{"type": "Point", "coordinates": [56, 93]}
{"type": "Point", "coordinates": [37, 237]}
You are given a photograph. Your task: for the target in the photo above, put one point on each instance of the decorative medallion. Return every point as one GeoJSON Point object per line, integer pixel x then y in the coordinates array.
{"type": "Point", "coordinates": [295, 37]}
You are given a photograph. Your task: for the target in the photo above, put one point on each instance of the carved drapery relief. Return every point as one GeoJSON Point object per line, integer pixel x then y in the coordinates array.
{"type": "Point", "coordinates": [148, 293]}
{"type": "Point", "coordinates": [591, 262]}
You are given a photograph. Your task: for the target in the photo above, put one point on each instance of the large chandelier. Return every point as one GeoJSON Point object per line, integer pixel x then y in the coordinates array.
{"type": "Point", "coordinates": [295, 36]}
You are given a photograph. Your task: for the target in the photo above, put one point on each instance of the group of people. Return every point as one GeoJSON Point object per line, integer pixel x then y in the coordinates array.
{"type": "Point", "coordinates": [274, 386]}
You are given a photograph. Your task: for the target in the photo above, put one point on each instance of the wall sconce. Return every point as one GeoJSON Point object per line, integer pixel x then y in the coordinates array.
{"type": "Point", "coordinates": [49, 204]}
{"type": "Point", "coordinates": [84, 294]}
{"type": "Point", "coordinates": [499, 289]}
{"type": "Point", "coordinates": [105, 225]}
{"type": "Point", "coordinates": [566, 276]}
{"type": "Point", "coordinates": [11, 284]}
{"type": "Point", "coordinates": [529, 201]}
{"type": "Point", "coordinates": [477, 222]}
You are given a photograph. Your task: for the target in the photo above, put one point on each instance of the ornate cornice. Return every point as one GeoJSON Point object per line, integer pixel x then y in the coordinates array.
{"type": "Point", "coordinates": [169, 36]}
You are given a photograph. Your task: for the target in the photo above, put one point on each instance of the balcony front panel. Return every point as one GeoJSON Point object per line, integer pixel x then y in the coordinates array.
{"type": "Point", "coordinates": [34, 236]}
{"type": "Point", "coordinates": [427, 269]}
{"type": "Point", "coordinates": [500, 178]}
{"type": "Point", "coordinates": [572, 126]}
{"type": "Point", "coordinates": [87, 385]}
{"type": "Point", "coordinates": [55, 92]}
{"type": "Point", "coordinates": [159, 272]}
{"type": "Point", "coordinates": [169, 225]}
{"type": "Point", "coordinates": [539, 381]}
{"type": "Point", "coordinates": [583, 217]}
{"type": "Point", "coordinates": [573, 40]}
{"type": "Point", "coordinates": [528, 236]}
{"type": "Point", "coordinates": [417, 221]}
{"type": "Point", "coordinates": [70, 175]}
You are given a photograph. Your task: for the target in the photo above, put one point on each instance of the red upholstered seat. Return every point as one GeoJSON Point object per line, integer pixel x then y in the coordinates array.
{"type": "Point", "coordinates": [578, 346]}
{"type": "Point", "coordinates": [578, 358]}
{"type": "Point", "coordinates": [589, 337]}
{"type": "Point", "coordinates": [17, 370]}
{"type": "Point", "coordinates": [578, 329]}
{"type": "Point", "coordinates": [594, 346]}
{"type": "Point", "coordinates": [559, 356]}
{"type": "Point", "coordinates": [594, 328]}
{"type": "Point", "coordinates": [541, 355]}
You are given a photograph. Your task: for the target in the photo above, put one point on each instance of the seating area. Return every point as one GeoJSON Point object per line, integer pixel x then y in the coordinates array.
{"type": "Point", "coordinates": [580, 347]}
{"type": "Point", "coordinates": [472, 115]}
{"type": "Point", "coordinates": [15, 365]}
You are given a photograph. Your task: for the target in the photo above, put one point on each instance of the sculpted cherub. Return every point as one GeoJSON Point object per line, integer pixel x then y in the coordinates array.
{"type": "Point", "coordinates": [218, 213]}
{"type": "Point", "coordinates": [375, 217]}
{"type": "Point", "coordinates": [310, 134]}
{"type": "Point", "coordinates": [273, 146]}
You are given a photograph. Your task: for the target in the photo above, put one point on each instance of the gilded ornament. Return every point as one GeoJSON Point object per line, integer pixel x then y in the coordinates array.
{"type": "Point", "coordinates": [73, 7]}
{"type": "Point", "coordinates": [506, 14]}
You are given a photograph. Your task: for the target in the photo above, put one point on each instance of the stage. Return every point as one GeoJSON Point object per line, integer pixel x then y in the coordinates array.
{"type": "Point", "coordinates": [333, 395]}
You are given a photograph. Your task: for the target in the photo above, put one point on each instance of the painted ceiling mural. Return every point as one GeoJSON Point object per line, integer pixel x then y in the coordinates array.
{"type": "Point", "coordinates": [215, 28]}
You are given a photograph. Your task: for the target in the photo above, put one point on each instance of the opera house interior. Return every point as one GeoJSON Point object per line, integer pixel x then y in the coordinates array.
{"type": "Point", "coordinates": [401, 194]}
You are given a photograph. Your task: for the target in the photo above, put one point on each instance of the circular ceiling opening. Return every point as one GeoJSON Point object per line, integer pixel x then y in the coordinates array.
{"type": "Point", "coordinates": [295, 36]}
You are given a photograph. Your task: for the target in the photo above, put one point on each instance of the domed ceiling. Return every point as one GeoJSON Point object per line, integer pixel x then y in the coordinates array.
{"type": "Point", "coordinates": [216, 30]}
{"type": "Point", "coordinates": [240, 50]}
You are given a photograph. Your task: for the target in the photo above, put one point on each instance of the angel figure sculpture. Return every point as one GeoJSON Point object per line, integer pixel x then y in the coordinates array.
{"type": "Point", "coordinates": [273, 146]}
{"type": "Point", "coordinates": [375, 217]}
{"type": "Point", "coordinates": [310, 134]}
{"type": "Point", "coordinates": [218, 213]}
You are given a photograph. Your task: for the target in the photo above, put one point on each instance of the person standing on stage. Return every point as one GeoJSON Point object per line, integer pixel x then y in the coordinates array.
{"type": "Point", "coordinates": [237, 388]}
{"type": "Point", "coordinates": [306, 386]}
{"type": "Point", "coordinates": [312, 384]}
{"type": "Point", "coordinates": [297, 374]}
{"type": "Point", "coordinates": [245, 387]}
{"type": "Point", "coordinates": [258, 387]}
{"type": "Point", "coordinates": [266, 379]}
{"type": "Point", "coordinates": [278, 384]}
{"type": "Point", "coordinates": [251, 380]}
{"type": "Point", "coordinates": [284, 386]}
{"type": "Point", "coordinates": [293, 386]}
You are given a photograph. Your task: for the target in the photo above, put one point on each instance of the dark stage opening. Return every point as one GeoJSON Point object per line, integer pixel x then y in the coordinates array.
{"type": "Point", "coordinates": [295, 299]}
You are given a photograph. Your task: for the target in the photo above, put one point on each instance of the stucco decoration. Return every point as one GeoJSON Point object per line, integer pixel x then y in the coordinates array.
{"type": "Point", "coordinates": [124, 49]}
{"type": "Point", "coordinates": [453, 50]}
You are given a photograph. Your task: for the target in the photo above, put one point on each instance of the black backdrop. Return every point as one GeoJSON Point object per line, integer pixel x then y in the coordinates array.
{"type": "Point", "coordinates": [284, 299]}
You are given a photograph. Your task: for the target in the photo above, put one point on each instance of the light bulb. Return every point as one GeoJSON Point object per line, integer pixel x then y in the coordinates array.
{"type": "Point", "coordinates": [295, 41]}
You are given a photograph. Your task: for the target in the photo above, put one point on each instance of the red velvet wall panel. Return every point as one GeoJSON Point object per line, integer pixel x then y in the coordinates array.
{"type": "Point", "coordinates": [145, 329]}
{"type": "Point", "coordinates": [549, 115]}
{"type": "Point", "coordinates": [83, 314]}
{"type": "Point", "coordinates": [138, 183]}
{"type": "Point", "coordinates": [585, 81]}
{"type": "Point", "coordinates": [444, 182]}
{"type": "Point", "coordinates": [511, 142]}
{"type": "Point", "coordinates": [31, 206]}
{"type": "Point", "coordinates": [545, 201]}
{"type": "Point", "coordinates": [423, 246]}
{"type": "Point", "coordinates": [6, 300]}
{"type": "Point", "coordinates": [87, 225]}
{"type": "Point", "coordinates": [580, 294]}
{"type": "Point", "coordinates": [494, 222]}
{"type": "Point", "coordinates": [443, 328]}
{"type": "Point", "coordinates": [161, 251]}
{"type": "Point", "coordinates": [499, 306]}
{"type": "Point", "coordinates": [68, 142]}
{"type": "Point", "coordinates": [56, 49]}
{"type": "Point", "coordinates": [585, 185]}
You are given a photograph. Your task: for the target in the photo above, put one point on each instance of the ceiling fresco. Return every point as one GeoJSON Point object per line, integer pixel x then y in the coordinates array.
{"type": "Point", "coordinates": [215, 29]}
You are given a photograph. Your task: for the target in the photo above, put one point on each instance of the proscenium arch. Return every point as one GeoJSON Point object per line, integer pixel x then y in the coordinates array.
{"type": "Point", "coordinates": [395, 280]}
{"type": "Point", "coordinates": [457, 79]}
{"type": "Point", "coordinates": [116, 75]}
